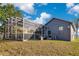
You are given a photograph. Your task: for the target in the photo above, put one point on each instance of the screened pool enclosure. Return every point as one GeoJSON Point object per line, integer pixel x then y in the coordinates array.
{"type": "Point", "coordinates": [22, 29]}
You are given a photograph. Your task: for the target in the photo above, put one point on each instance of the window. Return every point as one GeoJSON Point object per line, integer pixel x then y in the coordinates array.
{"type": "Point", "coordinates": [49, 32]}
{"type": "Point", "coordinates": [61, 28]}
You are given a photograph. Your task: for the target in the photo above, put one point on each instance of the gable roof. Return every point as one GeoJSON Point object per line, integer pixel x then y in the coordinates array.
{"type": "Point", "coordinates": [59, 20]}
{"type": "Point", "coordinates": [73, 25]}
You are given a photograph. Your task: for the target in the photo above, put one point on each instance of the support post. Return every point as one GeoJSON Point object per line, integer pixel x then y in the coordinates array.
{"type": "Point", "coordinates": [41, 33]}
{"type": "Point", "coordinates": [41, 37]}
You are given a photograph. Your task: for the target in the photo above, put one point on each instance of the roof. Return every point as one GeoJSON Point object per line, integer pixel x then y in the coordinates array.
{"type": "Point", "coordinates": [31, 22]}
{"type": "Point", "coordinates": [63, 21]}
{"type": "Point", "coordinates": [32, 25]}
{"type": "Point", "coordinates": [58, 19]}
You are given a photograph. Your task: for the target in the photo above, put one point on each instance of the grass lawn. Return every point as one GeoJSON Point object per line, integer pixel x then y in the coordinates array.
{"type": "Point", "coordinates": [37, 48]}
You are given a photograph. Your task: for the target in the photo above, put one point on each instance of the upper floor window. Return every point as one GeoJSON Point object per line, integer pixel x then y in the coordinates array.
{"type": "Point", "coordinates": [61, 28]}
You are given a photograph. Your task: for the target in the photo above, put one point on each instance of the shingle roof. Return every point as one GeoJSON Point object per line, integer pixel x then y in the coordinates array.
{"type": "Point", "coordinates": [63, 21]}
{"type": "Point", "coordinates": [58, 19]}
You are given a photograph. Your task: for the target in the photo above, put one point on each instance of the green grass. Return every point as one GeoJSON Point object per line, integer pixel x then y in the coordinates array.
{"type": "Point", "coordinates": [37, 48]}
{"type": "Point", "coordinates": [76, 40]}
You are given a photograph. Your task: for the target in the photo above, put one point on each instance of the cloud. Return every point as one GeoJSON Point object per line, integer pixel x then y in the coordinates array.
{"type": "Point", "coordinates": [69, 5]}
{"type": "Point", "coordinates": [43, 18]}
{"type": "Point", "coordinates": [26, 7]}
{"type": "Point", "coordinates": [44, 3]}
{"type": "Point", "coordinates": [28, 17]}
{"type": "Point", "coordinates": [74, 10]}
{"type": "Point", "coordinates": [3, 4]}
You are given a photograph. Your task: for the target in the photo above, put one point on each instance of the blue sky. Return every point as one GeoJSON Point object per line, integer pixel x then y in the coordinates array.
{"type": "Point", "coordinates": [43, 12]}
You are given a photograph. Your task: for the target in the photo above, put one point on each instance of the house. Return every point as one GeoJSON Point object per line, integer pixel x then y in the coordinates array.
{"type": "Point", "coordinates": [58, 29]}
{"type": "Point", "coordinates": [22, 29]}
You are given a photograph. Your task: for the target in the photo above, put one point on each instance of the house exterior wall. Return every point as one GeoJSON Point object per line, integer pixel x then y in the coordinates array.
{"type": "Point", "coordinates": [54, 25]}
{"type": "Point", "coordinates": [72, 33]}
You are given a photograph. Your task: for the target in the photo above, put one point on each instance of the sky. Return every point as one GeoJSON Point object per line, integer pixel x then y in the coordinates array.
{"type": "Point", "coordinates": [43, 12]}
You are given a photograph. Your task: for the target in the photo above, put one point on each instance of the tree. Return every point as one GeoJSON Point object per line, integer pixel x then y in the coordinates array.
{"type": "Point", "coordinates": [76, 21]}
{"type": "Point", "coordinates": [77, 26]}
{"type": "Point", "coordinates": [7, 11]}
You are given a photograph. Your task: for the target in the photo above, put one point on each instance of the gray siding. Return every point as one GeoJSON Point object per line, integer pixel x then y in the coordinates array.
{"type": "Point", "coordinates": [53, 26]}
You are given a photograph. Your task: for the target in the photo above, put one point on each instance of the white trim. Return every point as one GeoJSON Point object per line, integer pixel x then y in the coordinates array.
{"type": "Point", "coordinates": [23, 29]}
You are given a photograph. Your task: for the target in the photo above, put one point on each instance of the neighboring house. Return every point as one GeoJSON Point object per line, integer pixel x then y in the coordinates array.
{"type": "Point", "coordinates": [58, 29]}
{"type": "Point", "coordinates": [22, 29]}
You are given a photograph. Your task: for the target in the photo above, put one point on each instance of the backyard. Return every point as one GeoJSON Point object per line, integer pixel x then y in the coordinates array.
{"type": "Point", "coordinates": [38, 47]}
